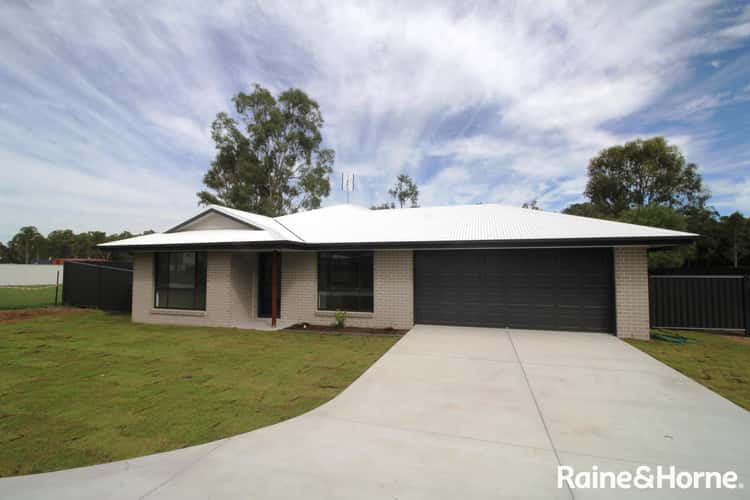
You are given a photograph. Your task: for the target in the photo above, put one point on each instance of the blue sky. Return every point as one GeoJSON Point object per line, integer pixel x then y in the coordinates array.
{"type": "Point", "coordinates": [105, 107]}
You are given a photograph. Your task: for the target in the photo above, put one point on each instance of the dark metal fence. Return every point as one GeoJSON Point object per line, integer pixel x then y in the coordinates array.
{"type": "Point", "coordinates": [101, 286]}
{"type": "Point", "coordinates": [719, 302]}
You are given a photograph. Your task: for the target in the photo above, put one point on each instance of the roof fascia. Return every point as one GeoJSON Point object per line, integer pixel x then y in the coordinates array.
{"type": "Point", "coordinates": [665, 241]}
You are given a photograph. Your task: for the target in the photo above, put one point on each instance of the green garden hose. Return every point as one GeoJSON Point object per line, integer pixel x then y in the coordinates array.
{"type": "Point", "coordinates": [672, 338]}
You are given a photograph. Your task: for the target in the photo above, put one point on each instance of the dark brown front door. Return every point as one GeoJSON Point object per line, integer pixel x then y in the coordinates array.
{"type": "Point", "coordinates": [265, 283]}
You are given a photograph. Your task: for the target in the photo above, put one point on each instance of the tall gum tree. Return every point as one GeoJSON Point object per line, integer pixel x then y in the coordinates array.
{"type": "Point", "coordinates": [269, 158]}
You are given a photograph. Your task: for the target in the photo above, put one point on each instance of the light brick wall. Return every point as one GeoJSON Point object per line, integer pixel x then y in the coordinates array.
{"type": "Point", "coordinates": [220, 294]}
{"type": "Point", "coordinates": [143, 286]}
{"type": "Point", "coordinates": [299, 286]}
{"type": "Point", "coordinates": [244, 282]}
{"type": "Point", "coordinates": [392, 288]}
{"type": "Point", "coordinates": [232, 282]}
{"type": "Point", "coordinates": [631, 292]}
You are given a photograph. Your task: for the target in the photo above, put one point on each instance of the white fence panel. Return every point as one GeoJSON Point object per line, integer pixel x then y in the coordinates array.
{"type": "Point", "coordinates": [29, 274]}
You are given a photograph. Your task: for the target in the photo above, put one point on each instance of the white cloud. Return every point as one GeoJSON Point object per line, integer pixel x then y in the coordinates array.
{"type": "Point", "coordinates": [556, 77]}
{"type": "Point", "coordinates": [479, 102]}
{"type": "Point", "coordinates": [738, 31]}
{"type": "Point", "coordinates": [119, 198]}
{"type": "Point", "coordinates": [455, 183]}
{"type": "Point", "coordinates": [187, 133]}
{"type": "Point", "coordinates": [733, 195]}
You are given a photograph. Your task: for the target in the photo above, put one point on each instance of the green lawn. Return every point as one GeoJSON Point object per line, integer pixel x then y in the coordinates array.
{"type": "Point", "coordinates": [720, 363]}
{"type": "Point", "coordinates": [90, 387]}
{"type": "Point", "coordinates": [22, 297]}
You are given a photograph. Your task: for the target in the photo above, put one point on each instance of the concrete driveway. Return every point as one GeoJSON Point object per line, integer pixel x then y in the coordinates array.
{"type": "Point", "coordinates": [452, 413]}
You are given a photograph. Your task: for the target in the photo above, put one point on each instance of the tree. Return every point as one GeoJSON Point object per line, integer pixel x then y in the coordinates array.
{"type": "Point", "coordinates": [736, 237]}
{"type": "Point", "coordinates": [62, 243]}
{"type": "Point", "coordinates": [269, 158]}
{"type": "Point", "coordinates": [642, 173]}
{"type": "Point", "coordinates": [405, 190]}
{"type": "Point", "coordinates": [586, 209]}
{"type": "Point", "coordinates": [531, 205]}
{"type": "Point", "coordinates": [123, 235]}
{"type": "Point", "coordinates": [663, 217]}
{"type": "Point", "coordinates": [4, 253]}
{"type": "Point", "coordinates": [85, 244]}
{"type": "Point", "coordinates": [120, 256]}
{"type": "Point", "coordinates": [383, 206]}
{"type": "Point", "coordinates": [705, 221]}
{"type": "Point", "coordinates": [26, 244]}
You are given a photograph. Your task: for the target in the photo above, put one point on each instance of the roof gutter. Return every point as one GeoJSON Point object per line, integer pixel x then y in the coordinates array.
{"type": "Point", "coordinates": [666, 241]}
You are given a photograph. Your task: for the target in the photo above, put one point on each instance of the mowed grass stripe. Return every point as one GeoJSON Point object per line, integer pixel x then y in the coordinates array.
{"type": "Point", "coordinates": [719, 362]}
{"type": "Point", "coordinates": [92, 387]}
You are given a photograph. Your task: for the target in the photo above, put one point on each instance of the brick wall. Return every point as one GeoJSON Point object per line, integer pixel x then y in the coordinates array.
{"type": "Point", "coordinates": [219, 294]}
{"type": "Point", "coordinates": [631, 292]}
{"type": "Point", "coordinates": [392, 288]}
{"type": "Point", "coordinates": [231, 291]}
{"type": "Point", "coordinates": [143, 286]}
{"type": "Point", "coordinates": [299, 285]}
{"type": "Point", "coordinates": [244, 283]}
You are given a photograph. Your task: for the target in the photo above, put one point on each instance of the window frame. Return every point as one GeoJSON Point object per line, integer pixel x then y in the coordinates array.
{"type": "Point", "coordinates": [200, 278]}
{"type": "Point", "coordinates": [358, 290]}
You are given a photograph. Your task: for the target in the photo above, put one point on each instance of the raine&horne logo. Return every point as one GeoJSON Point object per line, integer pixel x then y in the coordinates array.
{"type": "Point", "coordinates": [646, 477]}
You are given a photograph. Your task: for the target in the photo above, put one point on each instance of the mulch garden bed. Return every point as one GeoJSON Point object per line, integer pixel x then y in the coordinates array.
{"type": "Point", "coordinates": [349, 330]}
{"type": "Point", "coordinates": [739, 339]}
{"type": "Point", "coordinates": [9, 315]}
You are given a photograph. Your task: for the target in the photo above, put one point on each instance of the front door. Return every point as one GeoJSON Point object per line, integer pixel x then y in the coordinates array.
{"type": "Point", "coordinates": [265, 262]}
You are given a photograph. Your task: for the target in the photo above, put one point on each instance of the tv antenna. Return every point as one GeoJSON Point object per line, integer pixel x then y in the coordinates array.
{"type": "Point", "coordinates": [348, 184]}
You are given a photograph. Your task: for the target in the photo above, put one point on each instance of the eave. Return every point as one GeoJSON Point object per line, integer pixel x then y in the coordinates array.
{"type": "Point", "coordinates": [652, 242]}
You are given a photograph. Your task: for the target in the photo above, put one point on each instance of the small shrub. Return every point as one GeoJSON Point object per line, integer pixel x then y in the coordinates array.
{"type": "Point", "coordinates": [340, 319]}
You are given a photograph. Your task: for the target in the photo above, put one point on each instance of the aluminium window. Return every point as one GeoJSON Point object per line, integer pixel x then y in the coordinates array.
{"type": "Point", "coordinates": [345, 281]}
{"type": "Point", "coordinates": [180, 280]}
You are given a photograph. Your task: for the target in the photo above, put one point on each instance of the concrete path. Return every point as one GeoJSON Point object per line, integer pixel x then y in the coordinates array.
{"type": "Point", "coordinates": [452, 413]}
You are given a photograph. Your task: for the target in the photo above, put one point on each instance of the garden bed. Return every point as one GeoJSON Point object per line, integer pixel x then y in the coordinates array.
{"type": "Point", "coordinates": [8, 315]}
{"type": "Point", "coordinates": [349, 330]}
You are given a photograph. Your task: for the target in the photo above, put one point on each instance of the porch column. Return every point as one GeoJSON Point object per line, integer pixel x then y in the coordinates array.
{"type": "Point", "coordinates": [274, 287]}
{"type": "Point", "coordinates": [631, 292]}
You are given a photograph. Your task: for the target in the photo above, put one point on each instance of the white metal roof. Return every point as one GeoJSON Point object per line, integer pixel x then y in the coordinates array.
{"type": "Point", "coordinates": [350, 224]}
{"type": "Point", "coordinates": [487, 222]}
{"type": "Point", "coordinates": [267, 224]}
{"type": "Point", "coordinates": [198, 238]}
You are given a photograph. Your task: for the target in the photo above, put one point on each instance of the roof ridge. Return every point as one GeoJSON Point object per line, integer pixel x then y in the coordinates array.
{"type": "Point", "coordinates": [285, 227]}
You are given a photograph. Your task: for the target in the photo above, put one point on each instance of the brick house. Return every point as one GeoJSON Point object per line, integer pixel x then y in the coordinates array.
{"type": "Point", "coordinates": [474, 265]}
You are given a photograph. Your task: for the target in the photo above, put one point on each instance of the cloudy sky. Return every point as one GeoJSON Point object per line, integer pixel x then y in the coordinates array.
{"type": "Point", "coordinates": [105, 107]}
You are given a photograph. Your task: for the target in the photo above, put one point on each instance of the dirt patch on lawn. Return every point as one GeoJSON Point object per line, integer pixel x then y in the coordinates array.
{"type": "Point", "coordinates": [10, 315]}
{"type": "Point", "coordinates": [348, 330]}
{"type": "Point", "coordinates": [738, 339]}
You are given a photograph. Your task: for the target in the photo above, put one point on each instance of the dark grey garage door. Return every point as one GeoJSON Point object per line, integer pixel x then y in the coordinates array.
{"type": "Point", "coordinates": [550, 289]}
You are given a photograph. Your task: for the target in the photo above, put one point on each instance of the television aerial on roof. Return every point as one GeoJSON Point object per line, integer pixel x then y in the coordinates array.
{"type": "Point", "coordinates": [348, 184]}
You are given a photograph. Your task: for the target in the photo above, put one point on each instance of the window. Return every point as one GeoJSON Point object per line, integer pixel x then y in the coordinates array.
{"type": "Point", "coordinates": [180, 280]}
{"type": "Point", "coordinates": [345, 281]}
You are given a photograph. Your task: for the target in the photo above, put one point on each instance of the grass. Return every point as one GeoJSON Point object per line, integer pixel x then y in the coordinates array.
{"type": "Point", "coordinates": [22, 297]}
{"type": "Point", "coordinates": [719, 362]}
{"type": "Point", "coordinates": [89, 387]}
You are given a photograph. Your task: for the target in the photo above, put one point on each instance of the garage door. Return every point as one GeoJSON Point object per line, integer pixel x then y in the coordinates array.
{"type": "Point", "coordinates": [550, 289]}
